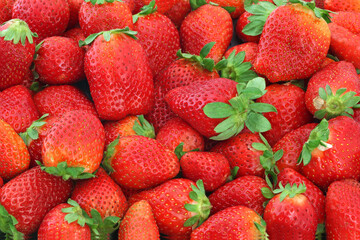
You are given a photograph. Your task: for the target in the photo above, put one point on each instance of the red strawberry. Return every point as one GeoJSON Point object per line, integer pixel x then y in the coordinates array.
{"type": "Point", "coordinates": [251, 49]}
{"type": "Point", "coordinates": [16, 56]}
{"type": "Point", "coordinates": [59, 60]}
{"type": "Point", "coordinates": [45, 18]}
{"type": "Point", "coordinates": [338, 5]}
{"type": "Point", "coordinates": [240, 25]}
{"type": "Point", "coordinates": [6, 7]}
{"type": "Point", "coordinates": [117, 61]}
{"type": "Point", "coordinates": [74, 7]}
{"type": "Point", "coordinates": [178, 12]}
{"type": "Point", "coordinates": [139, 223]}
{"type": "Point", "coordinates": [76, 34]}
{"type": "Point", "coordinates": [348, 20]}
{"type": "Point", "coordinates": [120, 128]}
{"type": "Point", "coordinates": [162, 5]}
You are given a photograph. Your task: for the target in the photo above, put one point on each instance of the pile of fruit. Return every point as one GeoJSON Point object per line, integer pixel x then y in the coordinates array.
{"type": "Point", "coordinates": [180, 120]}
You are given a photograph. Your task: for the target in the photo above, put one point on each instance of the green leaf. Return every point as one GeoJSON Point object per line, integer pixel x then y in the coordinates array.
{"type": "Point", "coordinates": [16, 31]}
{"type": "Point", "coordinates": [218, 110]}
{"type": "Point", "coordinates": [195, 4]}
{"type": "Point", "coordinates": [262, 107]}
{"type": "Point", "coordinates": [256, 122]}
{"type": "Point", "coordinates": [206, 49]}
{"type": "Point", "coordinates": [145, 11]}
{"type": "Point", "coordinates": [144, 128]}
{"type": "Point", "coordinates": [267, 193]}
{"type": "Point", "coordinates": [259, 146]}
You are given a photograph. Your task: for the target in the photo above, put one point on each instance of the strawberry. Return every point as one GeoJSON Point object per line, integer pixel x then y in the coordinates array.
{"type": "Point", "coordinates": [29, 196]}
{"type": "Point", "coordinates": [116, 60]}
{"type": "Point", "coordinates": [139, 223]}
{"type": "Point", "coordinates": [348, 20]}
{"type": "Point", "coordinates": [64, 222]}
{"type": "Point", "coordinates": [45, 18]}
{"type": "Point", "coordinates": [207, 23]}
{"type": "Point", "coordinates": [76, 34]}
{"type": "Point", "coordinates": [59, 60]}
{"type": "Point", "coordinates": [162, 5]}
{"type": "Point", "coordinates": [178, 12]}
{"type": "Point", "coordinates": [16, 56]}
{"type": "Point", "coordinates": [17, 107]}
{"type": "Point", "coordinates": [122, 128]}
{"type": "Point", "coordinates": [288, 49]}
{"type": "Point", "coordinates": [250, 49]}
{"type": "Point", "coordinates": [158, 36]}
{"type": "Point", "coordinates": [74, 7]}
{"type": "Point", "coordinates": [138, 162]}
{"type": "Point", "coordinates": [6, 7]}
{"type": "Point", "coordinates": [104, 15]}
{"type": "Point", "coordinates": [238, 222]}
{"type": "Point", "coordinates": [290, 215]}
{"type": "Point", "coordinates": [338, 5]}
{"type": "Point", "coordinates": [342, 215]}
{"type": "Point", "coordinates": [240, 25]}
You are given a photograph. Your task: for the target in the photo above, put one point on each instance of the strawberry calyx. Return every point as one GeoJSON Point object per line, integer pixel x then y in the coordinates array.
{"type": "Point", "coordinates": [242, 111]}
{"type": "Point", "coordinates": [233, 174]}
{"type": "Point", "coordinates": [320, 13]}
{"type": "Point", "coordinates": [207, 63]}
{"type": "Point", "coordinates": [99, 2]}
{"type": "Point", "coordinates": [235, 68]}
{"type": "Point", "coordinates": [145, 10]}
{"type": "Point", "coordinates": [290, 190]}
{"type": "Point", "coordinates": [109, 154]}
{"type": "Point", "coordinates": [107, 35]}
{"type": "Point", "coordinates": [144, 128]}
{"type": "Point", "coordinates": [102, 228]}
{"type": "Point", "coordinates": [331, 105]}
{"type": "Point", "coordinates": [7, 225]}
{"type": "Point", "coordinates": [195, 4]}
{"type": "Point", "coordinates": [317, 140]}
{"type": "Point", "coordinates": [179, 150]}
{"type": "Point", "coordinates": [201, 208]}
{"type": "Point", "coordinates": [62, 170]}
{"type": "Point", "coordinates": [32, 132]}
{"type": "Point", "coordinates": [262, 229]}
{"type": "Point", "coordinates": [320, 232]}
{"type": "Point", "coordinates": [76, 214]}
{"type": "Point", "coordinates": [16, 31]}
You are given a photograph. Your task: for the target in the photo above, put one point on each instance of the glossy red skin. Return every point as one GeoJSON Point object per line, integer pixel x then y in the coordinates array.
{"type": "Point", "coordinates": [251, 49]}
{"type": "Point", "coordinates": [178, 12]}
{"type": "Point", "coordinates": [289, 101]}
{"type": "Point", "coordinates": [207, 24]}
{"type": "Point", "coordinates": [46, 18]}
{"type": "Point", "coordinates": [162, 5]}
{"type": "Point", "coordinates": [293, 218]}
{"type": "Point", "coordinates": [100, 193]}
{"type": "Point", "coordinates": [348, 20]}
{"type": "Point", "coordinates": [188, 102]}
{"type": "Point", "coordinates": [60, 60]}
{"type": "Point", "coordinates": [5, 6]}
{"type": "Point", "coordinates": [104, 17]}
{"type": "Point", "coordinates": [338, 5]}
{"type": "Point", "coordinates": [123, 127]}
{"type": "Point", "coordinates": [342, 215]}
{"type": "Point", "coordinates": [177, 131]}
{"type": "Point", "coordinates": [159, 38]}
{"type": "Point", "coordinates": [302, 50]}
{"type": "Point", "coordinates": [17, 107]}
{"type": "Point", "coordinates": [238, 5]}
{"type": "Point", "coordinates": [122, 66]}
{"type": "Point", "coordinates": [240, 24]}
{"type": "Point", "coordinates": [15, 61]}
{"type": "Point", "coordinates": [74, 7]}
{"type": "Point", "coordinates": [140, 162]}
{"type": "Point", "coordinates": [343, 44]}
{"type": "Point", "coordinates": [313, 193]}
{"type": "Point", "coordinates": [138, 4]}
{"type": "Point", "coordinates": [55, 227]}
{"type": "Point", "coordinates": [337, 75]}
{"type": "Point", "coordinates": [29, 196]}
{"type": "Point", "coordinates": [76, 34]}
{"type": "Point", "coordinates": [180, 73]}
{"type": "Point", "coordinates": [292, 144]}
{"type": "Point", "coordinates": [131, 4]}
{"type": "Point", "coordinates": [244, 191]}
{"type": "Point", "coordinates": [339, 162]}
{"type": "Point", "coordinates": [239, 152]}
{"type": "Point", "coordinates": [212, 168]}
{"type": "Point", "coordinates": [57, 100]}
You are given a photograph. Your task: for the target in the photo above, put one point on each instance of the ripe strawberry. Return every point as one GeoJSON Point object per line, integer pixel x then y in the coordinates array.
{"type": "Point", "coordinates": [120, 128]}
{"type": "Point", "coordinates": [348, 20]}
{"type": "Point", "coordinates": [16, 57]}
{"type": "Point", "coordinates": [338, 5]}
{"type": "Point", "coordinates": [138, 162]}
{"type": "Point", "coordinates": [139, 223]}
{"type": "Point", "coordinates": [128, 77]}
{"type": "Point", "coordinates": [99, 15]}
{"type": "Point", "coordinates": [240, 25]}
{"type": "Point", "coordinates": [342, 212]}
{"type": "Point", "coordinates": [178, 12]}
{"type": "Point", "coordinates": [45, 18]}
{"type": "Point", "coordinates": [74, 7]}
{"type": "Point", "coordinates": [17, 107]}
{"type": "Point", "coordinates": [6, 7]}
{"type": "Point", "coordinates": [162, 5]}
{"type": "Point", "coordinates": [76, 34]}
{"type": "Point", "coordinates": [59, 60]}
{"type": "Point", "coordinates": [29, 196]}
{"type": "Point", "coordinates": [251, 49]}
{"type": "Point", "coordinates": [238, 222]}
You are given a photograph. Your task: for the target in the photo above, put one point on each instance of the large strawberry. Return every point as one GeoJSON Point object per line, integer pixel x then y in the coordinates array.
{"type": "Point", "coordinates": [117, 61]}
{"type": "Point", "coordinates": [17, 55]}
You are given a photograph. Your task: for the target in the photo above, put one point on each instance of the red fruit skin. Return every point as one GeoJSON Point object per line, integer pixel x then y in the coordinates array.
{"type": "Point", "coordinates": [17, 108]}
{"type": "Point", "coordinates": [238, 5]}
{"type": "Point", "coordinates": [138, 4]}
{"type": "Point", "coordinates": [58, 100]}
{"type": "Point", "coordinates": [29, 196]}
{"type": "Point", "coordinates": [6, 7]}
{"type": "Point", "coordinates": [100, 193]}
{"type": "Point", "coordinates": [140, 162]}
{"type": "Point", "coordinates": [339, 162]}
{"type": "Point", "coordinates": [104, 17]}
{"type": "Point", "coordinates": [289, 101]}
{"type": "Point", "coordinates": [15, 61]}
{"type": "Point", "coordinates": [292, 144]}
{"type": "Point", "coordinates": [122, 66]}
{"type": "Point", "coordinates": [120, 128]}
{"type": "Point", "coordinates": [159, 38]}
{"type": "Point", "coordinates": [178, 12]}
{"type": "Point", "coordinates": [342, 212]}
{"type": "Point", "coordinates": [74, 7]}
{"type": "Point", "coordinates": [212, 168]}
{"type": "Point", "coordinates": [60, 60]}
{"type": "Point", "coordinates": [188, 102]}
{"type": "Point", "coordinates": [240, 24]}
{"type": "Point", "coordinates": [296, 52]}
{"type": "Point", "coordinates": [348, 20]}
{"type": "Point", "coordinates": [244, 191]}
{"type": "Point", "coordinates": [239, 152]}
{"type": "Point", "coordinates": [338, 5]}
{"type": "Point", "coordinates": [162, 5]}
{"type": "Point", "coordinates": [293, 218]}
{"type": "Point", "coordinates": [230, 224]}
{"type": "Point", "coordinates": [313, 193]}
{"type": "Point", "coordinates": [46, 18]}
{"type": "Point", "coordinates": [55, 227]}
{"type": "Point", "coordinates": [206, 24]}
{"type": "Point", "coordinates": [337, 75]}
{"type": "Point", "coordinates": [251, 49]}
{"type": "Point", "coordinates": [176, 131]}
{"type": "Point", "coordinates": [76, 34]}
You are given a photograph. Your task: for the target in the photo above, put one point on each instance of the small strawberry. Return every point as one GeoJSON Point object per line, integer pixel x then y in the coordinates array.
{"type": "Point", "coordinates": [178, 12]}
{"type": "Point", "coordinates": [251, 49]}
